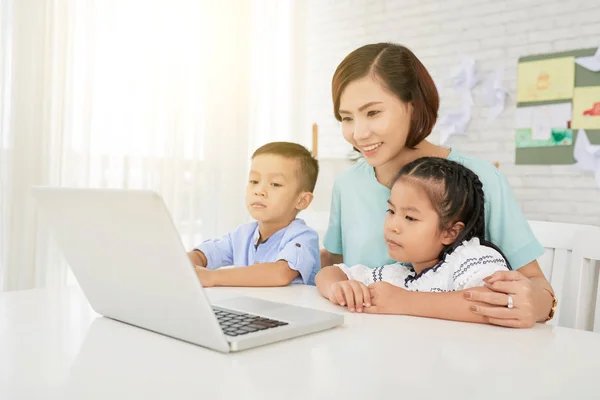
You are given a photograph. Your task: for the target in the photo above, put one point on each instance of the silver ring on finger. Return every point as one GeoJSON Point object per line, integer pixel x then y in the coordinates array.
{"type": "Point", "coordinates": [509, 301]}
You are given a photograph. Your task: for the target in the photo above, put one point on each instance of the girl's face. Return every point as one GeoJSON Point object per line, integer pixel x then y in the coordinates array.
{"type": "Point", "coordinates": [412, 226]}
{"type": "Point", "coordinates": [374, 120]}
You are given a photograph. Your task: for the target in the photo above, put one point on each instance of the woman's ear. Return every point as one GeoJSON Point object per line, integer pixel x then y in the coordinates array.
{"type": "Point", "coordinates": [304, 201]}
{"type": "Point", "coordinates": [449, 235]}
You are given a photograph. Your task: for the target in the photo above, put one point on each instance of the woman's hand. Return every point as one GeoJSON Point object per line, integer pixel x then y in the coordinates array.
{"type": "Point", "coordinates": [387, 299]}
{"type": "Point", "coordinates": [530, 301]}
{"type": "Point", "coordinates": [353, 294]}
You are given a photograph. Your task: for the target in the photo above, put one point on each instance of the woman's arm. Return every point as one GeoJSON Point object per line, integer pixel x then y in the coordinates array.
{"type": "Point", "coordinates": [542, 301]}
{"type": "Point", "coordinates": [488, 304]}
{"type": "Point", "coordinates": [510, 231]}
{"type": "Point", "coordinates": [529, 289]}
{"type": "Point", "coordinates": [328, 259]}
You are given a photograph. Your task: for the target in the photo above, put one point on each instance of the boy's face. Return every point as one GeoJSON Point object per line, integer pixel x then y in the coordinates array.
{"type": "Point", "coordinates": [273, 191]}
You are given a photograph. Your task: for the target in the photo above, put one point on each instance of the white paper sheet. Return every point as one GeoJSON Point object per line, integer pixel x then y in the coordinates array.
{"type": "Point", "coordinates": [587, 155]}
{"type": "Point", "coordinates": [541, 119]}
{"type": "Point", "coordinates": [455, 122]}
{"type": "Point", "coordinates": [495, 94]}
{"type": "Point", "coordinates": [465, 78]}
{"type": "Point", "coordinates": [591, 63]}
{"type": "Point", "coordinates": [541, 132]}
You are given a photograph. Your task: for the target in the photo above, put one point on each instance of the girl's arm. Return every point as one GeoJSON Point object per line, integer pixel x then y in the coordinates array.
{"type": "Point", "coordinates": [451, 306]}
{"type": "Point", "coordinates": [389, 299]}
{"type": "Point", "coordinates": [328, 276]}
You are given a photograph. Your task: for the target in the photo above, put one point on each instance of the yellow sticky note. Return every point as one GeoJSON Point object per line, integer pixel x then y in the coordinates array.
{"type": "Point", "coordinates": [544, 80]}
{"type": "Point", "coordinates": [586, 108]}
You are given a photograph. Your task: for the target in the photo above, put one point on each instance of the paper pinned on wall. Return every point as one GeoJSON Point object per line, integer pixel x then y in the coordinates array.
{"type": "Point", "coordinates": [558, 137]}
{"type": "Point", "coordinates": [495, 93]}
{"type": "Point", "coordinates": [465, 78]}
{"type": "Point", "coordinates": [541, 119]}
{"type": "Point", "coordinates": [544, 120]}
{"type": "Point", "coordinates": [587, 155]}
{"type": "Point", "coordinates": [591, 63]}
{"type": "Point", "coordinates": [455, 122]}
{"type": "Point", "coordinates": [546, 80]}
{"type": "Point", "coordinates": [586, 108]}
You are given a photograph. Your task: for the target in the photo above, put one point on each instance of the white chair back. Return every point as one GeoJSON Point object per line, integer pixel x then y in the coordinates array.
{"type": "Point", "coordinates": [586, 262]}
{"type": "Point", "coordinates": [558, 240]}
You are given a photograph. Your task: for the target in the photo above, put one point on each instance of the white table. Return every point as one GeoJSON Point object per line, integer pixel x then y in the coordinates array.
{"type": "Point", "coordinates": [52, 345]}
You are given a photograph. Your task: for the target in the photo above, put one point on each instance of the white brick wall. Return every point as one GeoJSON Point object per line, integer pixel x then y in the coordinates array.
{"type": "Point", "coordinates": [439, 32]}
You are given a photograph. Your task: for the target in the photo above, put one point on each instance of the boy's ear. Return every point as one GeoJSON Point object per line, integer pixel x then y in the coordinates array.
{"type": "Point", "coordinates": [304, 201]}
{"type": "Point", "coordinates": [449, 235]}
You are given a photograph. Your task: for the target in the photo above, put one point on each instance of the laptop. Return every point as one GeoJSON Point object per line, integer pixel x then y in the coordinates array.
{"type": "Point", "coordinates": [129, 260]}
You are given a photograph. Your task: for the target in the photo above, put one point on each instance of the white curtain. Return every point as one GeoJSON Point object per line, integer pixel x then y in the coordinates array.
{"type": "Point", "coordinates": [169, 95]}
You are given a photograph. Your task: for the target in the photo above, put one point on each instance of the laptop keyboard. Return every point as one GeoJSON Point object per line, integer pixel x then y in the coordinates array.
{"type": "Point", "coordinates": [236, 323]}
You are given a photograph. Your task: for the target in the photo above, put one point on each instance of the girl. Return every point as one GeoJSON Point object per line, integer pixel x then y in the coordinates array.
{"type": "Point", "coordinates": [387, 104]}
{"type": "Point", "coordinates": [436, 222]}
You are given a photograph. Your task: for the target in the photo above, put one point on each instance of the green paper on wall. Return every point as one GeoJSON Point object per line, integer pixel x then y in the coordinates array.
{"type": "Point", "coordinates": [542, 143]}
{"type": "Point", "coordinates": [558, 137]}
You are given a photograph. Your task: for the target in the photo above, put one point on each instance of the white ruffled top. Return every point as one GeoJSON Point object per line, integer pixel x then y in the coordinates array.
{"type": "Point", "coordinates": [464, 268]}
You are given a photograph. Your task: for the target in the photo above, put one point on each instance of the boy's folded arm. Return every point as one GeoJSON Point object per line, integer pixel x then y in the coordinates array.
{"type": "Point", "coordinates": [198, 258]}
{"type": "Point", "coordinates": [216, 253]}
{"type": "Point", "coordinates": [328, 276]}
{"type": "Point", "coordinates": [276, 273]}
{"type": "Point", "coordinates": [301, 251]}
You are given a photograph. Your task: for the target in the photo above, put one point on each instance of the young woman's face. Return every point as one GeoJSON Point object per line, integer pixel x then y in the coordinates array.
{"type": "Point", "coordinates": [374, 120]}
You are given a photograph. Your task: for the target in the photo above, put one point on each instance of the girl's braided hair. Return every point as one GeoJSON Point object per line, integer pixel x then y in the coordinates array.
{"type": "Point", "coordinates": [456, 194]}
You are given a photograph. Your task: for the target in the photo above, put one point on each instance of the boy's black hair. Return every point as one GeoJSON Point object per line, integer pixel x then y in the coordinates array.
{"type": "Point", "coordinates": [309, 167]}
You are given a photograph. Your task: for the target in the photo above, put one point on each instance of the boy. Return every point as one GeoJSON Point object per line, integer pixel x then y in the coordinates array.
{"type": "Point", "coordinates": [277, 249]}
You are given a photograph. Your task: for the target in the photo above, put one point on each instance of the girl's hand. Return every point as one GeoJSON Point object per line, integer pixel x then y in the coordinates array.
{"type": "Point", "coordinates": [526, 297]}
{"type": "Point", "coordinates": [387, 299]}
{"type": "Point", "coordinates": [352, 294]}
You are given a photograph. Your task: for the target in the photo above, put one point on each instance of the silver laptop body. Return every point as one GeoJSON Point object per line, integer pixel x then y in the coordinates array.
{"type": "Point", "coordinates": [126, 254]}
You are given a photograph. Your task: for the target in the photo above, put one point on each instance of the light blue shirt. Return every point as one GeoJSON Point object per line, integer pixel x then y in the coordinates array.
{"type": "Point", "coordinates": [297, 243]}
{"type": "Point", "coordinates": [359, 204]}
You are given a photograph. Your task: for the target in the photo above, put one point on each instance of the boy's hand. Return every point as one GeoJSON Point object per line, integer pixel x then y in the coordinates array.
{"type": "Point", "coordinates": [206, 276]}
{"type": "Point", "coordinates": [197, 258]}
{"type": "Point", "coordinates": [353, 294]}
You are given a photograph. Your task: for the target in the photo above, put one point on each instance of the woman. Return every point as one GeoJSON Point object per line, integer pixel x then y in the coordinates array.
{"type": "Point", "coordinates": [387, 104]}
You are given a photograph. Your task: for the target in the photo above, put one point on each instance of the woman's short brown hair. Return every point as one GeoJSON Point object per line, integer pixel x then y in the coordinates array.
{"type": "Point", "coordinates": [401, 72]}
